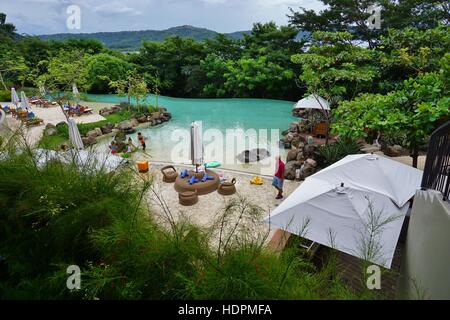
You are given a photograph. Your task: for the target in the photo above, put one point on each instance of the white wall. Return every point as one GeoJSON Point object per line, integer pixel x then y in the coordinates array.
{"type": "Point", "coordinates": [426, 259]}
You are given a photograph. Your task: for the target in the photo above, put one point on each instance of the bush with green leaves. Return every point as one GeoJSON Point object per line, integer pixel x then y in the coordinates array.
{"type": "Point", "coordinates": [55, 214]}
{"type": "Point", "coordinates": [5, 95]}
{"type": "Point", "coordinates": [333, 152]}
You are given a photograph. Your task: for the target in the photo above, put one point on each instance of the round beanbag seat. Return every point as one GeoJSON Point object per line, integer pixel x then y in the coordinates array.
{"type": "Point", "coordinates": [227, 188]}
{"type": "Point", "coordinates": [188, 198]}
{"type": "Point", "coordinates": [169, 174]}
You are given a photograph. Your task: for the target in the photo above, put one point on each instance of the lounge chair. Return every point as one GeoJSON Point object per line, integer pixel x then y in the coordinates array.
{"type": "Point", "coordinates": [6, 109]}
{"type": "Point", "coordinates": [32, 120]}
{"type": "Point", "coordinates": [169, 174]}
{"type": "Point", "coordinates": [85, 110]}
{"type": "Point", "coordinates": [22, 114]}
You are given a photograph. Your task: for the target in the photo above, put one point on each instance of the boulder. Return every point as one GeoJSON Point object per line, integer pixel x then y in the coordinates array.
{"type": "Point", "coordinates": [134, 122]}
{"type": "Point", "coordinates": [125, 125]}
{"type": "Point", "coordinates": [92, 134]}
{"type": "Point", "coordinates": [51, 131]}
{"type": "Point", "coordinates": [49, 125]}
{"type": "Point", "coordinates": [289, 137]}
{"type": "Point", "coordinates": [370, 148]}
{"type": "Point", "coordinates": [396, 151]}
{"type": "Point", "coordinates": [310, 162]}
{"type": "Point", "coordinates": [292, 155]}
{"type": "Point", "coordinates": [254, 155]}
{"type": "Point", "coordinates": [142, 119]}
{"type": "Point", "coordinates": [307, 171]}
{"type": "Point", "coordinates": [106, 112]}
{"type": "Point", "coordinates": [310, 151]}
{"type": "Point", "coordinates": [88, 141]}
{"type": "Point", "coordinates": [300, 156]}
{"type": "Point", "coordinates": [99, 132]}
{"type": "Point", "coordinates": [298, 141]}
{"type": "Point", "coordinates": [108, 128]}
{"type": "Point", "coordinates": [293, 127]}
{"type": "Point", "coordinates": [290, 169]}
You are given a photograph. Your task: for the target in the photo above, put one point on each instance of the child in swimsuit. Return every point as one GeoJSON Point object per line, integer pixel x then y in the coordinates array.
{"type": "Point", "coordinates": [142, 141]}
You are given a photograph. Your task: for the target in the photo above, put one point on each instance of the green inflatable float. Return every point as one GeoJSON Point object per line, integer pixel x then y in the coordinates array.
{"type": "Point", "coordinates": [212, 164]}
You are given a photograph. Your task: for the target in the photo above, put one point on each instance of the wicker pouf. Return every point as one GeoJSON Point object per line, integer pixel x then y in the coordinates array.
{"type": "Point", "coordinates": [169, 174]}
{"type": "Point", "coordinates": [188, 198]}
{"type": "Point", "coordinates": [227, 188]}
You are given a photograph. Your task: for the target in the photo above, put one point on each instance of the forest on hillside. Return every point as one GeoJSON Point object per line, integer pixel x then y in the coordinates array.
{"type": "Point", "coordinates": [127, 41]}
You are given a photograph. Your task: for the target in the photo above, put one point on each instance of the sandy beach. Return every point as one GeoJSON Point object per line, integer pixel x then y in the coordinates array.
{"type": "Point", "coordinates": [206, 211]}
{"type": "Point", "coordinates": [53, 115]}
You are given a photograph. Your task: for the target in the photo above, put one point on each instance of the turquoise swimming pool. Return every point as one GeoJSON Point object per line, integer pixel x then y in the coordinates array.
{"type": "Point", "coordinates": [261, 120]}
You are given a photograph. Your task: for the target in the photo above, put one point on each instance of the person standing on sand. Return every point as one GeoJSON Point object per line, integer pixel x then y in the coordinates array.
{"type": "Point", "coordinates": [141, 139]}
{"type": "Point", "coordinates": [278, 179]}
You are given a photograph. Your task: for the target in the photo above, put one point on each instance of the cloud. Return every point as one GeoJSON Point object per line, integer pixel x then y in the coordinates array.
{"type": "Point", "coordinates": [49, 16]}
{"type": "Point", "coordinates": [115, 8]}
{"type": "Point", "coordinates": [214, 1]}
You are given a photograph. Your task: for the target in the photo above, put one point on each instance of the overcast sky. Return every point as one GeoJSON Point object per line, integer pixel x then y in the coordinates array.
{"type": "Point", "coordinates": [49, 16]}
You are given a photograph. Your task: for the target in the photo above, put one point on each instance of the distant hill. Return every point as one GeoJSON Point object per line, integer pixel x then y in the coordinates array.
{"type": "Point", "coordinates": [131, 40]}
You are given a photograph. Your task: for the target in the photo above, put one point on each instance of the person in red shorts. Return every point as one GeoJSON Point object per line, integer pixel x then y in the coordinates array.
{"type": "Point", "coordinates": [278, 179]}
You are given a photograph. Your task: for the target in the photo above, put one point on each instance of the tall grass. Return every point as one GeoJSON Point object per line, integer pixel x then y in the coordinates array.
{"type": "Point", "coordinates": [54, 215]}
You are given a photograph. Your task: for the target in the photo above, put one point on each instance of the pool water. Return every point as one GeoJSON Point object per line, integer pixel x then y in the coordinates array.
{"type": "Point", "coordinates": [261, 122]}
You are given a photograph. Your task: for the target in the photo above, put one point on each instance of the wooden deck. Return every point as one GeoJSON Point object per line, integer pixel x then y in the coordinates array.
{"type": "Point", "coordinates": [350, 268]}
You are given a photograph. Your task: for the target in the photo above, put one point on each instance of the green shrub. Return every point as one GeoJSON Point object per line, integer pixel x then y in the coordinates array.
{"type": "Point", "coordinates": [5, 95]}
{"type": "Point", "coordinates": [84, 128]}
{"type": "Point", "coordinates": [63, 130]}
{"type": "Point", "coordinates": [393, 137]}
{"type": "Point", "coordinates": [336, 151]}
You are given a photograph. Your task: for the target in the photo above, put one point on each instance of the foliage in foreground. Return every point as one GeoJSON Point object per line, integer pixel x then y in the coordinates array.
{"type": "Point", "coordinates": [54, 215]}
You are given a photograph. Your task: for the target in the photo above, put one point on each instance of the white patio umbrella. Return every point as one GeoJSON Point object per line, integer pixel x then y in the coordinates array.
{"type": "Point", "coordinates": [196, 145]}
{"type": "Point", "coordinates": [75, 92]}
{"type": "Point", "coordinates": [74, 135]}
{"type": "Point", "coordinates": [14, 97]}
{"type": "Point", "coordinates": [24, 101]}
{"type": "Point", "coordinates": [342, 218]}
{"type": "Point", "coordinates": [375, 173]}
{"type": "Point", "coordinates": [42, 90]}
{"type": "Point", "coordinates": [313, 102]}
{"type": "Point", "coordinates": [99, 160]}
